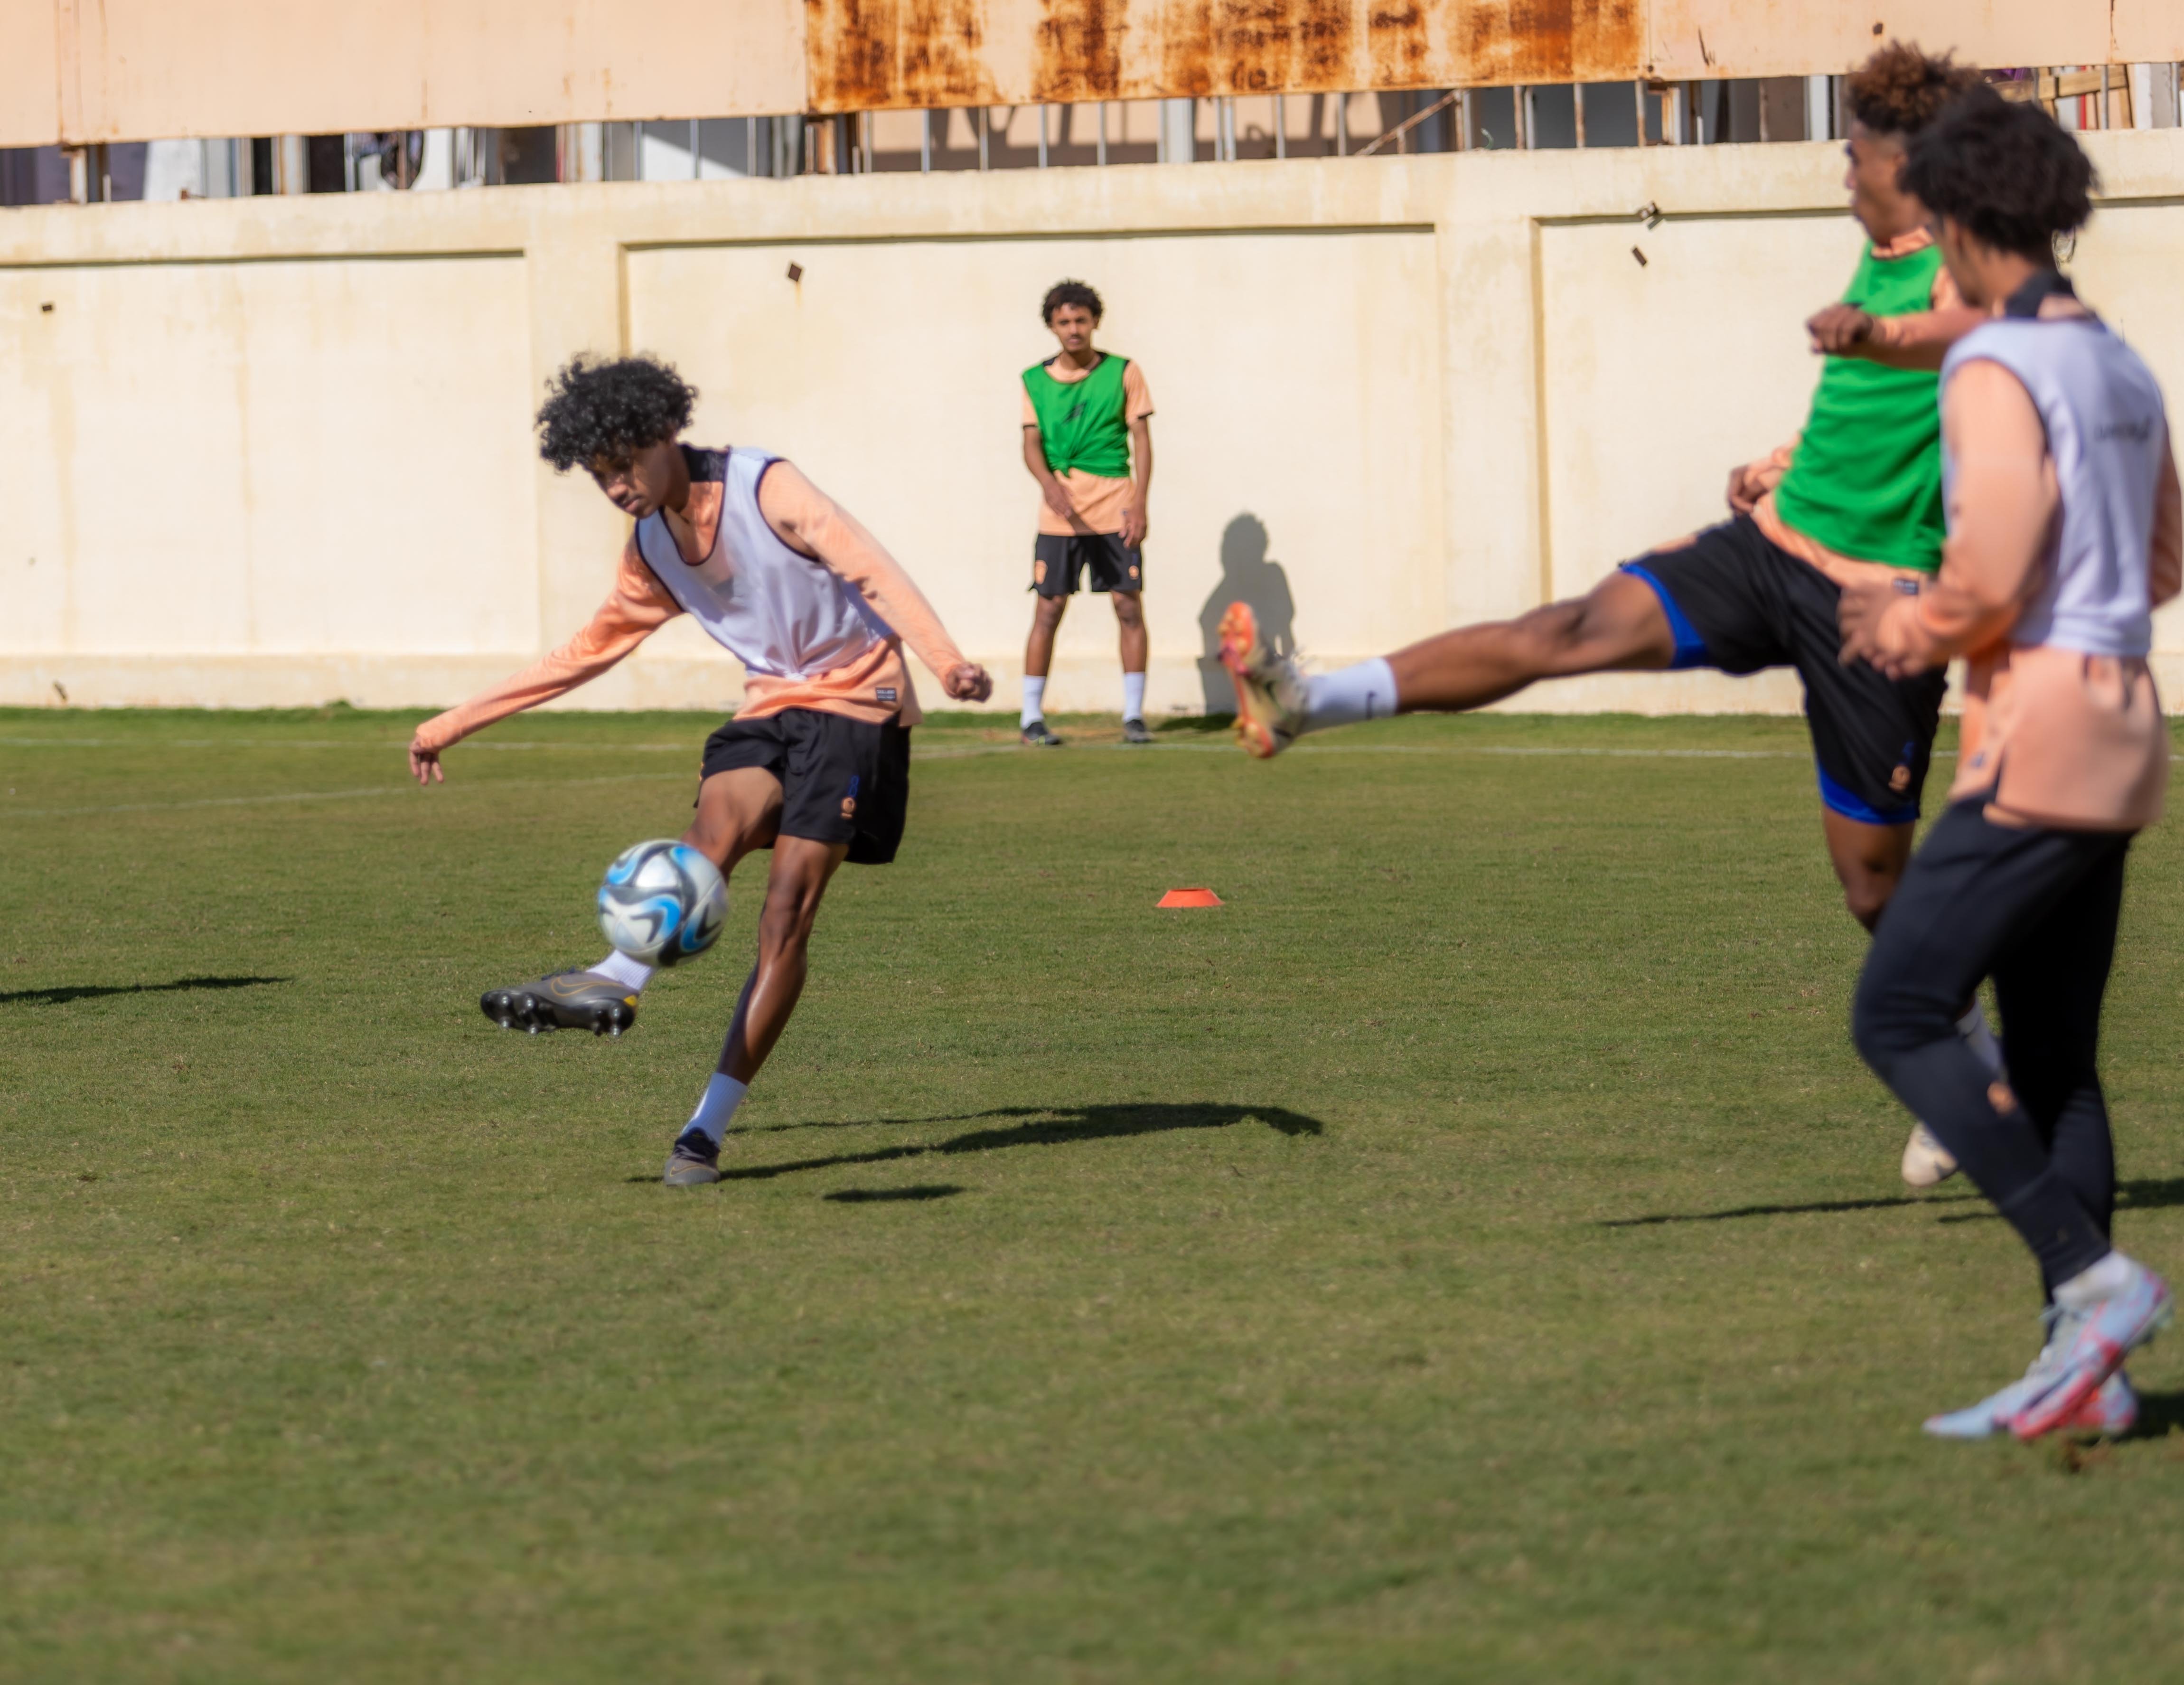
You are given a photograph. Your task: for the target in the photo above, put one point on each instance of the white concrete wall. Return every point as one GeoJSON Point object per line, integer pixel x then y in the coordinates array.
{"type": "Point", "coordinates": [278, 450]}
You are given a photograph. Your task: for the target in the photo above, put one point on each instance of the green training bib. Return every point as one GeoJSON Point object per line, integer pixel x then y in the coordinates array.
{"type": "Point", "coordinates": [1866, 479]}
{"type": "Point", "coordinates": [1080, 422]}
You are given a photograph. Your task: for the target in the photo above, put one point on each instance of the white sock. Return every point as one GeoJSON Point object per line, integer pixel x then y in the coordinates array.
{"type": "Point", "coordinates": [1034, 702]}
{"type": "Point", "coordinates": [2102, 1280]}
{"type": "Point", "coordinates": [717, 1105]}
{"type": "Point", "coordinates": [631, 973]}
{"type": "Point", "coordinates": [1366, 691]}
{"type": "Point", "coordinates": [1133, 696]}
{"type": "Point", "coordinates": [1972, 1026]}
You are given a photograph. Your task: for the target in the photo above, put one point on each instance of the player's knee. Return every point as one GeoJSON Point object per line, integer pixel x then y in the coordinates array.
{"type": "Point", "coordinates": [1867, 894]}
{"type": "Point", "coordinates": [1130, 609]}
{"type": "Point", "coordinates": [1557, 631]}
{"type": "Point", "coordinates": [1047, 610]}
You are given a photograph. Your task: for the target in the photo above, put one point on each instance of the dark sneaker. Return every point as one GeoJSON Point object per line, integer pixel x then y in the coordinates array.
{"type": "Point", "coordinates": [1134, 731]}
{"type": "Point", "coordinates": [1037, 736]}
{"type": "Point", "coordinates": [567, 1000]}
{"type": "Point", "coordinates": [694, 1162]}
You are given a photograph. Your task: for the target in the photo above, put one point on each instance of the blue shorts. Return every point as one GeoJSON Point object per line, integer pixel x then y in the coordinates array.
{"type": "Point", "coordinates": [1739, 603]}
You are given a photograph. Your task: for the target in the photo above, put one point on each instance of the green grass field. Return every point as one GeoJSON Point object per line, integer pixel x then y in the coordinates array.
{"type": "Point", "coordinates": [1474, 1252]}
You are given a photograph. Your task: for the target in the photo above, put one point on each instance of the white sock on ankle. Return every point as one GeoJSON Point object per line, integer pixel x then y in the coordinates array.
{"type": "Point", "coordinates": [717, 1107]}
{"type": "Point", "coordinates": [1133, 696]}
{"type": "Point", "coordinates": [632, 974]}
{"type": "Point", "coordinates": [1035, 698]}
{"type": "Point", "coordinates": [1366, 691]}
{"type": "Point", "coordinates": [2102, 1280]}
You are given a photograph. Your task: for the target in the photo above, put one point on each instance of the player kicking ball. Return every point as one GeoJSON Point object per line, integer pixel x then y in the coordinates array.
{"type": "Point", "coordinates": [2065, 530]}
{"type": "Point", "coordinates": [1858, 499]}
{"type": "Point", "coordinates": [816, 764]}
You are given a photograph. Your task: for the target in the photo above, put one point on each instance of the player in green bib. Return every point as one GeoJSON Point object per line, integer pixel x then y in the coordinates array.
{"type": "Point", "coordinates": [1858, 497]}
{"type": "Point", "coordinates": [1088, 442]}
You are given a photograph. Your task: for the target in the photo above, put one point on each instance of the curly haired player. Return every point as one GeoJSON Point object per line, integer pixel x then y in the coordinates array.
{"type": "Point", "coordinates": [1856, 498]}
{"type": "Point", "coordinates": [814, 765]}
{"type": "Point", "coordinates": [2066, 528]}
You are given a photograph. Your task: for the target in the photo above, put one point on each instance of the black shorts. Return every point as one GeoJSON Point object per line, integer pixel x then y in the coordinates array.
{"type": "Point", "coordinates": [1057, 563]}
{"type": "Point", "coordinates": [1739, 602]}
{"type": "Point", "coordinates": [842, 780]}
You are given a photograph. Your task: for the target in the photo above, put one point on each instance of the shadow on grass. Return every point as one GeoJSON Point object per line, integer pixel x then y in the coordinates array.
{"type": "Point", "coordinates": [1822, 1207]}
{"type": "Point", "coordinates": [92, 991]}
{"type": "Point", "coordinates": [2145, 1194]}
{"type": "Point", "coordinates": [1055, 1125]}
{"type": "Point", "coordinates": [2159, 1416]}
{"type": "Point", "coordinates": [883, 1196]}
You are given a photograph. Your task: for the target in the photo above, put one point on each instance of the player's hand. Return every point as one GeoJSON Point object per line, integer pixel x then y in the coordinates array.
{"type": "Point", "coordinates": [1133, 528]}
{"type": "Point", "coordinates": [1858, 613]}
{"type": "Point", "coordinates": [967, 682]}
{"type": "Point", "coordinates": [1839, 330]}
{"type": "Point", "coordinates": [425, 765]}
{"type": "Point", "coordinates": [1057, 499]}
{"type": "Point", "coordinates": [1746, 489]}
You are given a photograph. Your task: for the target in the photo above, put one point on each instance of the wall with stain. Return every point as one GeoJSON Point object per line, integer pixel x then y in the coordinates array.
{"type": "Point", "coordinates": [76, 71]}
{"type": "Point", "coordinates": [1395, 394]}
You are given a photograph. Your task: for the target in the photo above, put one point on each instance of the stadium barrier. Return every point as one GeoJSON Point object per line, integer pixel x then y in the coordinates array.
{"type": "Point", "coordinates": [277, 451]}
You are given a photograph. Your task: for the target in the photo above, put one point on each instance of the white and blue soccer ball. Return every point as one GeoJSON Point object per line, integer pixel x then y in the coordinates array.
{"type": "Point", "coordinates": [662, 902]}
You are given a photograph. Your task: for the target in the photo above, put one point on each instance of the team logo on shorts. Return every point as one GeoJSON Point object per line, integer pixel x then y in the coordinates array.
{"type": "Point", "coordinates": [1999, 1096]}
{"type": "Point", "coordinates": [1900, 779]}
{"type": "Point", "coordinates": [1039, 572]}
{"type": "Point", "coordinates": [850, 800]}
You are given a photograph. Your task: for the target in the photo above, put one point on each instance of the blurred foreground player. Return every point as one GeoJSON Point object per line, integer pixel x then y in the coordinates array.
{"type": "Point", "coordinates": [2064, 533]}
{"type": "Point", "coordinates": [814, 765]}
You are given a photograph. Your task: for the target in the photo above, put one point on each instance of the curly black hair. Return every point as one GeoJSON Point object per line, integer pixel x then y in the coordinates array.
{"type": "Point", "coordinates": [1900, 90]}
{"type": "Point", "coordinates": [1069, 292]}
{"type": "Point", "coordinates": [2005, 172]}
{"type": "Point", "coordinates": [611, 410]}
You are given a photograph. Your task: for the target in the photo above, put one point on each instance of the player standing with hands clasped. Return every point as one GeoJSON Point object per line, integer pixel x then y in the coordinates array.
{"type": "Point", "coordinates": [2064, 532]}
{"type": "Point", "coordinates": [816, 764]}
{"type": "Point", "coordinates": [1088, 440]}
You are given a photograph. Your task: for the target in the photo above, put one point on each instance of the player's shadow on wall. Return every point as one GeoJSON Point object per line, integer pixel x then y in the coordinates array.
{"type": "Point", "coordinates": [1049, 1125]}
{"type": "Point", "coordinates": [1246, 576]}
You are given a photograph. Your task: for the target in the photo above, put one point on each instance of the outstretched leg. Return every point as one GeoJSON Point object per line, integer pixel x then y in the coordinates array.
{"type": "Point", "coordinates": [1619, 626]}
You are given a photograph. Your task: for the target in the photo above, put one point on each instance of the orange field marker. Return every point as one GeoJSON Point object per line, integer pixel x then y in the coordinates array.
{"type": "Point", "coordinates": [1190, 898]}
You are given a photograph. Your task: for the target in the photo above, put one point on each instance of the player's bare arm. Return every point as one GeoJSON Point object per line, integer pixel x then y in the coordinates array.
{"type": "Point", "coordinates": [1136, 518]}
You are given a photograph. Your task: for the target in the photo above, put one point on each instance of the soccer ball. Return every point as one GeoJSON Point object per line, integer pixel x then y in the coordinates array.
{"type": "Point", "coordinates": [662, 902]}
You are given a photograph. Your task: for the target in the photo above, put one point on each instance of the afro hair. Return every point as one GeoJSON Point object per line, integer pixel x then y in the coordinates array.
{"type": "Point", "coordinates": [1069, 293]}
{"type": "Point", "coordinates": [611, 410]}
{"type": "Point", "coordinates": [1900, 90]}
{"type": "Point", "coordinates": [2004, 172]}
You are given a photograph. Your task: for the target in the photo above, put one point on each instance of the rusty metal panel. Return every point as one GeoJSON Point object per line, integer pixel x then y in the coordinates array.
{"type": "Point", "coordinates": [881, 54]}
{"type": "Point", "coordinates": [80, 70]}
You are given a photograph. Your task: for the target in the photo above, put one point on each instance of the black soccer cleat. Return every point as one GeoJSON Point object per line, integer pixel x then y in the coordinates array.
{"type": "Point", "coordinates": [694, 1162]}
{"type": "Point", "coordinates": [566, 1000]}
{"type": "Point", "coordinates": [1134, 731]}
{"type": "Point", "coordinates": [1037, 736]}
